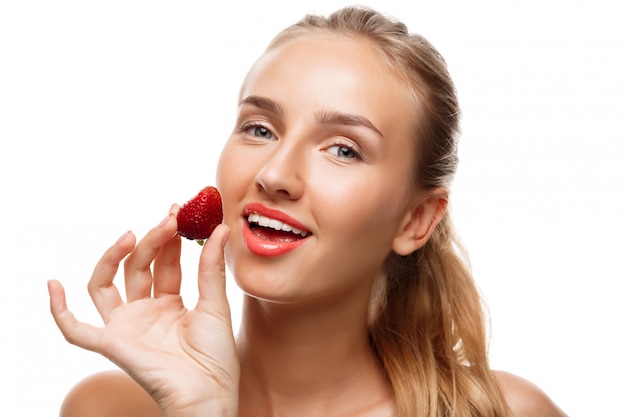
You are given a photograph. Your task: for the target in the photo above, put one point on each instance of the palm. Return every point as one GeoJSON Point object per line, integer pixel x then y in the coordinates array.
{"type": "Point", "coordinates": [159, 340]}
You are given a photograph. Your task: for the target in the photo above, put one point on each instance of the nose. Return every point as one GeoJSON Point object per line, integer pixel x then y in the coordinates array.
{"type": "Point", "coordinates": [281, 176]}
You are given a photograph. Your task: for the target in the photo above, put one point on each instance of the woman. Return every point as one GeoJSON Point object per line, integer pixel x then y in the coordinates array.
{"type": "Point", "coordinates": [346, 131]}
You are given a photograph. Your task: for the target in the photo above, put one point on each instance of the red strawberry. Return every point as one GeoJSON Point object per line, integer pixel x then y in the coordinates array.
{"type": "Point", "coordinates": [198, 217]}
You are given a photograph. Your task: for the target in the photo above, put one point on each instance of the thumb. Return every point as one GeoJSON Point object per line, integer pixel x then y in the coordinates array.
{"type": "Point", "coordinates": [212, 273]}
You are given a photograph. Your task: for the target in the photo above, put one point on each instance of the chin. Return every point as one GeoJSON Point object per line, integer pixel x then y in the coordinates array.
{"type": "Point", "coordinates": [264, 285]}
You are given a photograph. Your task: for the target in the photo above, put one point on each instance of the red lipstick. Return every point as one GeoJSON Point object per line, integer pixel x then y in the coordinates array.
{"type": "Point", "coordinates": [268, 241]}
{"type": "Point", "coordinates": [263, 210]}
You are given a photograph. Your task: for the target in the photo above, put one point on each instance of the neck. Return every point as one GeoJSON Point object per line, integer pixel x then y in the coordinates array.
{"type": "Point", "coordinates": [318, 357]}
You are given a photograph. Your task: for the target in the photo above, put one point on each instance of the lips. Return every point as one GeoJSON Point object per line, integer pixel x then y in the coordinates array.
{"type": "Point", "coordinates": [270, 232]}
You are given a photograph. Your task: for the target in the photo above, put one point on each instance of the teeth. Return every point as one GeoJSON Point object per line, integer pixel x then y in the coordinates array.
{"type": "Point", "coordinates": [264, 221]}
{"type": "Point", "coordinates": [274, 224]}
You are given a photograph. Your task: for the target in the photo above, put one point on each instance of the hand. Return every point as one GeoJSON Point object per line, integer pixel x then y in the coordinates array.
{"type": "Point", "coordinates": [185, 359]}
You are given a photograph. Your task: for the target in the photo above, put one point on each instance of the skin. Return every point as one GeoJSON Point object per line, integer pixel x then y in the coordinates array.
{"type": "Point", "coordinates": [303, 346]}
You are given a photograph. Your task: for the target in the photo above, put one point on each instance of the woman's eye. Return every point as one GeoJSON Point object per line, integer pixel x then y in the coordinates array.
{"type": "Point", "coordinates": [345, 152]}
{"type": "Point", "coordinates": [260, 132]}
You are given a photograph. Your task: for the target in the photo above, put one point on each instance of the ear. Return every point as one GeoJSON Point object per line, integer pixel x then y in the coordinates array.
{"type": "Point", "coordinates": [420, 222]}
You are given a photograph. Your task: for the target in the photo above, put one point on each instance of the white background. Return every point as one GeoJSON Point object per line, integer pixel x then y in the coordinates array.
{"type": "Point", "coordinates": [112, 110]}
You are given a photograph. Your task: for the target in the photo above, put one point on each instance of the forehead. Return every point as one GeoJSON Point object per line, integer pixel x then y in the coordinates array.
{"type": "Point", "coordinates": [332, 72]}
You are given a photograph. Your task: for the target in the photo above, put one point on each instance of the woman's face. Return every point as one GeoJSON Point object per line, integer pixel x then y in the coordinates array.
{"type": "Point", "coordinates": [322, 144]}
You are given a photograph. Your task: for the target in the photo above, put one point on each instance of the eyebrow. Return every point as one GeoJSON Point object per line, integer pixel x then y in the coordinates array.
{"type": "Point", "coordinates": [339, 118]}
{"type": "Point", "coordinates": [264, 103]}
{"type": "Point", "coordinates": [323, 117]}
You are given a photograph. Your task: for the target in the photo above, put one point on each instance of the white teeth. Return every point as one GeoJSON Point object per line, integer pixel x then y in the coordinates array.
{"type": "Point", "coordinates": [274, 224]}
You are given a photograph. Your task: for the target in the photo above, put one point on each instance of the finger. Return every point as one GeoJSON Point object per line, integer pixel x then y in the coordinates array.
{"type": "Point", "coordinates": [137, 271]}
{"type": "Point", "coordinates": [212, 273]}
{"type": "Point", "coordinates": [103, 292]}
{"type": "Point", "coordinates": [167, 269]}
{"type": "Point", "coordinates": [75, 332]}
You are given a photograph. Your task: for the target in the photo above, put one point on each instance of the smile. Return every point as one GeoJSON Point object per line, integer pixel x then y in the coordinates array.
{"type": "Point", "coordinates": [263, 221]}
{"type": "Point", "coordinates": [272, 233]}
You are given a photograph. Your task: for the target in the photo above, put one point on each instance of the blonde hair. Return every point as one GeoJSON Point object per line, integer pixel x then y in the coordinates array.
{"type": "Point", "coordinates": [426, 317]}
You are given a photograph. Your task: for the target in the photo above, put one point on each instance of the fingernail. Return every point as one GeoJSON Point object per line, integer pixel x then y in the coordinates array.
{"type": "Point", "coordinates": [164, 221]}
{"type": "Point", "coordinates": [121, 239]}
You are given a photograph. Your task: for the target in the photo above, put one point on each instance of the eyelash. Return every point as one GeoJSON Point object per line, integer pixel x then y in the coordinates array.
{"type": "Point", "coordinates": [349, 146]}
{"type": "Point", "coordinates": [246, 127]}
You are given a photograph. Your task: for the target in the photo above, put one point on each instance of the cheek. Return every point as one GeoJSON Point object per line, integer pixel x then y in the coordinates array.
{"type": "Point", "coordinates": [231, 180]}
{"type": "Point", "coordinates": [238, 164]}
{"type": "Point", "coordinates": [361, 208]}
{"type": "Point", "coordinates": [224, 164]}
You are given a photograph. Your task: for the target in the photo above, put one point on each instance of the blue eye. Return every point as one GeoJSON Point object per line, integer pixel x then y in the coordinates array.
{"type": "Point", "coordinates": [344, 152]}
{"type": "Point", "coordinates": [258, 131]}
{"type": "Point", "coordinates": [262, 132]}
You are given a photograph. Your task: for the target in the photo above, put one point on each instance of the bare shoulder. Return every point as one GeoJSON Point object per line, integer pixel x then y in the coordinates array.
{"type": "Point", "coordinates": [525, 398]}
{"type": "Point", "coordinates": [108, 394]}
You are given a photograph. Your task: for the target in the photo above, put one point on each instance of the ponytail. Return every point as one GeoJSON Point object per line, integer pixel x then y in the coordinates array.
{"type": "Point", "coordinates": [430, 334]}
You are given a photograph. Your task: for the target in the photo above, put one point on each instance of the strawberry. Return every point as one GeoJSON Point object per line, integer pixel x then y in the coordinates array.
{"type": "Point", "coordinates": [198, 217]}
